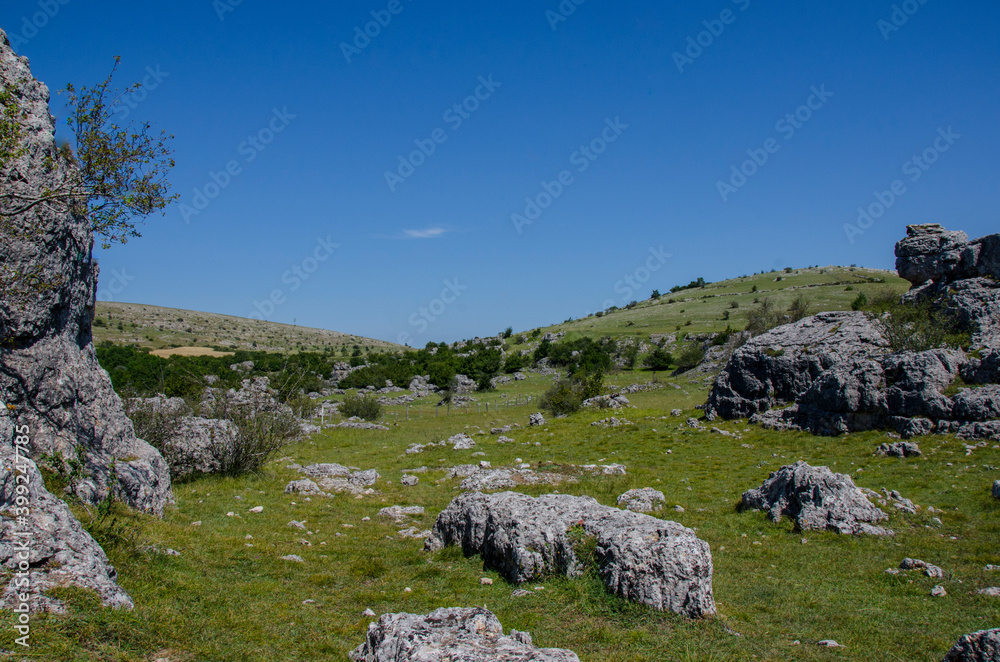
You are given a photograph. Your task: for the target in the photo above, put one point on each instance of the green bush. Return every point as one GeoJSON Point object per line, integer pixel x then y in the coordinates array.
{"type": "Point", "coordinates": [860, 302]}
{"type": "Point", "coordinates": [366, 407]}
{"type": "Point", "coordinates": [915, 327]}
{"type": "Point", "coordinates": [690, 357]}
{"type": "Point", "coordinates": [658, 359]}
{"type": "Point", "coordinates": [567, 395]}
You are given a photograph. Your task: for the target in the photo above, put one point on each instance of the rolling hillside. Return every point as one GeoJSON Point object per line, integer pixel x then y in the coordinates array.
{"type": "Point", "coordinates": [166, 328]}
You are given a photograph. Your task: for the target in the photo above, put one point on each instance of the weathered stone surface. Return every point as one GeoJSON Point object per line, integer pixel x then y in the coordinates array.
{"type": "Point", "coordinates": [333, 477]}
{"type": "Point", "coordinates": [899, 449]}
{"type": "Point", "coordinates": [488, 479]}
{"type": "Point", "coordinates": [642, 500]}
{"type": "Point", "coordinates": [982, 646]}
{"type": "Point", "coordinates": [654, 562]}
{"type": "Point", "coordinates": [536, 419]}
{"type": "Point", "coordinates": [399, 514]}
{"type": "Point", "coordinates": [451, 635]}
{"type": "Point", "coordinates": [199, 446]}
{"type": "Point", "coordinates": [977, 404]}
{"type": "Point", "coordinates": [777, 366]}
{"type": "Point", "coordinates": [59, 551]}
{"type": "Point", "coordinates": [48, 368]}
{"type": "Point", "coordinates": [929, 252]}
{"type": "Point", "coordinates": [817, 499]}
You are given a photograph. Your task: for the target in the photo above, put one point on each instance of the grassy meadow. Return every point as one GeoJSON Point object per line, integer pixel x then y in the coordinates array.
{"type": "Point", "coordinates": [228, 596]}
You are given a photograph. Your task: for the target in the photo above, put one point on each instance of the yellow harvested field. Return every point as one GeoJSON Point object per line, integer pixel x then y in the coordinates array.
{"type": "Point", "coordinates": [188, 351]}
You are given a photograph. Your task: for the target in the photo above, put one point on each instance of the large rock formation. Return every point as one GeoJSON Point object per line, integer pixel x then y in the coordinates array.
{"type": "Point", "coordinates": [837, 372]}
{"type": "Point", "coordinates": [48, 369]}
{"type": "Point", "coordinates": [451, 635]}
{"type": "Point", "coordinates": [42, 545]}
{"type": "Point", "coordinates": [817, 499]}
{"type": "Point", "coordinates": [640, 558]}
{"type": "Point", "coordinates": [982, 646]}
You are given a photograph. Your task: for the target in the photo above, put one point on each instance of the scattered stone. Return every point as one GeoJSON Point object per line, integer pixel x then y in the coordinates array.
{"type": "Point", "coordinates": [485, 581]}
{"type": "Point", "coordinates": [612, 422]}
{"type": "Point", "coordinates": [450, 634]}
{"type": "Point", "coordinates": [462, 442]}
{"type": "Point", "coordinates": [520, 593]}
{"type": "Point", "coordinates": [679, 508]}
{"type": "Point", "coordinates": [399, 514]}
{"type": "Point", "coordinates": [676, 412]}
{"type": "Point", "coordinates": [256, 509]}
{"type": "Point", "coordinates": [504, 440]}
{"type": "Point", "coordinates": [198, 523]}
{"type": "Point", "coordinates": [657, 563]}
{"type": "Point", "coordinates": [294, 558]}
{"type": "Point", "coordinates": [355, 423]}
{"type": "Point", "coordinates": [830, 643]}
{"type": "Point", "coordinates": [409, 481]}
{"type": "Point", "coordinates": [536, 419]}
{"type": "Point", "coordinates": [938, 591]}
{"type": "Point", "coordinates": [607, 402]}
{"type": "Point", "coordinates": [368, 612]}
{"type": "Point", "coordinates": [899, 449]}
{"type": "Point", "coordinates": [817, 499]}
{"type": "Point", "coordinates": [982, 646]}
{"type": "Point", "coordinates": [297, 525]}
{"type": "Point", "coordinates": [415, 533]}
{"type": "Point", "coordinates": [643, 500]}
{"type": "Point", "coordinates": [992, 591]}
{"type": "Point", "coordinates": [334, 477]}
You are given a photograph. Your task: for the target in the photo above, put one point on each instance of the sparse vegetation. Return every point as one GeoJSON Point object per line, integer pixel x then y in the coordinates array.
{"type": "Point", "coordinates": [366, 407]}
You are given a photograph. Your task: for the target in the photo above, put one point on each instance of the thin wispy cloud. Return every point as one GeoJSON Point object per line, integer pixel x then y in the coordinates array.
{"type": "Point", "coordinates": [427, 233]}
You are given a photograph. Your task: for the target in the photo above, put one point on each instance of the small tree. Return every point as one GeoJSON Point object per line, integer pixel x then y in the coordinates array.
{"type": "Point", "coordinates": [658, 359]}
{"type": "Point", "coordinates": [117, 175]}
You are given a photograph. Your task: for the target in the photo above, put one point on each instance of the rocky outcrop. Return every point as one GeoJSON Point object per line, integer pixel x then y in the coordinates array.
{"type": "Point", "coordinates": [654, 562]}
{"type": "Point", "coordinates": [838, 374]}
{"type": "Point", "coordinates": [982, 646]}
{"type": "Point", "coordinates": [931, 253]}
{"type": "Point", "coordinates": [42, 545]}
{"type": "Point", "coordinates": [776, 367]}
{"type": "Point", "coordinates": [817, 499]}
{"type": "Point", "coordinates": [450, 635]}
{"type": "Point", "coordinates": [48, 368]}
{"type": "Point", "coordinates": [642, 500]}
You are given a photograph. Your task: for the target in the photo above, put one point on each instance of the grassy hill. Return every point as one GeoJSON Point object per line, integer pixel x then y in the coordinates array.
{"type": "Point", "coordinates": [165, 328]}
{"type": "Point", "coordinates": [705, 309]}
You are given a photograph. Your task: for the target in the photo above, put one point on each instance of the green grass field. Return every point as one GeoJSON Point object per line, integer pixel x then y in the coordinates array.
{"type": "Point", "coordinates": [229, 597]}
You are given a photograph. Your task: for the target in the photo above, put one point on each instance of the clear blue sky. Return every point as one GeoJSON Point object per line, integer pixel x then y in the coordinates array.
{"type": "Point", "coordinates": [607, 78]}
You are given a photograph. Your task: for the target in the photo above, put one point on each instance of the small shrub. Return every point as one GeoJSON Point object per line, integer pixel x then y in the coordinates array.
{"type": "Point", "coordinates": [366, 407]}
{"type": "Point", "coordinates": [658, 359]}
{"type": "Point", "coordinates": [860, 302]}
{"type": "Point", "coordinates": [690, 357]}
{"type": "Point", "coordinates": [263, 427]}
